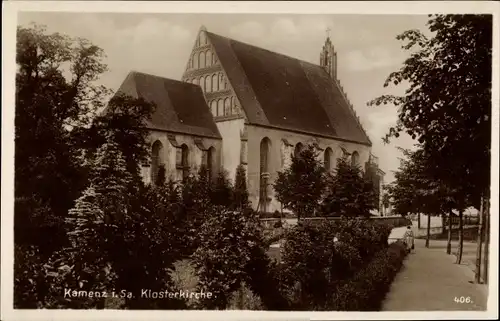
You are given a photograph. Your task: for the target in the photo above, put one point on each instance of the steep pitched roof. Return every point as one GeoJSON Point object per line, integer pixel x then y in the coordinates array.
{"type": "Point", "coordinates": [180, 106]}
{"type": "Point", "coordinates": [284, 92]}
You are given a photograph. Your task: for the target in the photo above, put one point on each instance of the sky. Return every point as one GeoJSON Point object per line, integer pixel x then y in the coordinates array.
{"type": "Point", "coordinates": [160, 44]}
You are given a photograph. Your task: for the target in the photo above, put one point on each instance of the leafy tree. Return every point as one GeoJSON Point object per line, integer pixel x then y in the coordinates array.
{"type": "Point", "coordinates": [414, 190]}
{"type": "Point", "coordinates": [300, 187]}
{"type": "Point", "coordinates": [348, 193]}
{"type": "Point", "coordinates": [59, 132]}
{"type": "Point", "coordinates": [196, 192]}
{"type": "Point", "coordinates": [222, 192]}
{"type": "Point", "coordinates": [55, 92]}
{"type": "Point", "coordinates": [122, 240]}
{"type": "Point", "coordinates": [447, 106]}
{"type": "Point", "coordinates": [240, 193]}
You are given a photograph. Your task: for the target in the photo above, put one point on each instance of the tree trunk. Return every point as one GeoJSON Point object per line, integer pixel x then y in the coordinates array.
{"type": "Point", "coordinates": [460, 235]}
{"type": "Point", "coordinates": [427, 239]}
{"type": "Point", "coordinates": [486, 239]}
{"type": "Point", "coordinates": [418, 220]}
{"type": "Point", "coordinates": [450, 227]}
{"type": "Point", "coordinates": [480, 236]}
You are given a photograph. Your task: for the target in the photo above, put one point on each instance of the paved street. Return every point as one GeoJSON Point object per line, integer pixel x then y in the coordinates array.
{"type": "Point", "coordinates": [430, 281]}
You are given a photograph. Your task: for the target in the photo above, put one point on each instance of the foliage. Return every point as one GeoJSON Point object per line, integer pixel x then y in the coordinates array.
{"type": "Point", "coordinates": [367, 289]}
{"type": "Point", "coordinates": [318, 258]}
{"type": "Point", "coordinates": [448, 103]}
{"type": "Point", "coordinates": [244, 299]}
{"type": "Point", "coordinates": [227, 242]}
{"type": "Point", "coordinates": [240, 193]}
{"type": "Point", "coordinates": [196, 206]}
{"type": "Point", "coordinates": [55, 92]}
{"type": "Point", "coordinates": [300, 187]}
{"type": "Point", "coordinates": [222, 192]}
{"type": "Point", "coordinates": [348, 192]}
{"type": "Point", "coordinates": [447, 106]}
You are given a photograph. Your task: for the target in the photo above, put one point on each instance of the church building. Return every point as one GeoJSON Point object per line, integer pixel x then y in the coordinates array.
{"type": "Point", "coordinates": [241, 104]}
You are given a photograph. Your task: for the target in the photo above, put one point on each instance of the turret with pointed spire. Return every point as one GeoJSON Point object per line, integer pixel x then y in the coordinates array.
{"type": "Point", "coordinates": [328, 57]}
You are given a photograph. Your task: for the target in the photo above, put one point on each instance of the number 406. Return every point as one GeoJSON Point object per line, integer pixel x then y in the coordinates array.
{"type": "Point", "coordinates": [463, 299]}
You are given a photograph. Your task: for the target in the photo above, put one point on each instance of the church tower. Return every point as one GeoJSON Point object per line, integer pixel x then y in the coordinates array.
{"type": "Point", "coordinates": [328, 58]}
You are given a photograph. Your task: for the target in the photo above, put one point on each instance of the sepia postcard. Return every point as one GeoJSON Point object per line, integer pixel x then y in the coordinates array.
{"type": "Point", "coordinates": [233, 160]}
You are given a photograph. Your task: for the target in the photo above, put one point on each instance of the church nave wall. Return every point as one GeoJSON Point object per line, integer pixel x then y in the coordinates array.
{"type": "Point", "coordinates": [280, 145]}
{"type": "Point", "coordinates": [181, 154]}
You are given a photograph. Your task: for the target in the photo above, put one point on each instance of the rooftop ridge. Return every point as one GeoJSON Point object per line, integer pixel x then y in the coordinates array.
{"type": "Point", "coordinates": [264, 49]}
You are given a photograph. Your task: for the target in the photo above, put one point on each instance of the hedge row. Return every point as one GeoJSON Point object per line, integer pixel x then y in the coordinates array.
{"type": "Point", "coordinates": [366, 291]}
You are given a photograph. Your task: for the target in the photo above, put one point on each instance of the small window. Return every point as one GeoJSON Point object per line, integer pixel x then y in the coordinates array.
{"type": "Point", "coordinates": [234, 106]}
{"type": "Point", "coordinates": [213, 107]}
{"type": "Point", "coordinates": [202, 83]}
{"type": "Point", "coordinates": [209, 58]}
{"type": "Point", "coordinates": [220, 107]}
{"type": "Point", "coordinates": [195, 60]}
{"type": "Point", "coordinates": [222, 83]}
{"type": "Point", "coordinates": [208, 84]}
{"type": "Point", "coordinates": [202, 60]}
{"type": "Point", "coordinates": [182, 160]}
{"type": "Point", "coordinates": [227, 106]}
{"type": "Point", "coordinates": [215, 83]}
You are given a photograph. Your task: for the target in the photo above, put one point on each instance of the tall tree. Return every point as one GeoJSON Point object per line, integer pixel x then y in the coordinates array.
{"type": "Point", "coordinates": [349, 193]}
{"type": "Point", "coordinates": [300, 187]}
{"type": "Point", "coordinates": [55, 92]}
{"type": "Point", "coordinates": [240, 194]}
{"type": "Point", "coordinates": [447, 106]}
{"type": "Point", "coordinates": [415, 190]}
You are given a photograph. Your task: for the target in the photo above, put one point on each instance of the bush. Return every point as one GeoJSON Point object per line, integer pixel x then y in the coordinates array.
{"type": "Point", "coordinates": [367, 289]}
{"type": "Point", "coordinates": [320, 258]}
{"type": "Point", "coordinates": [244, 299]}
{"type": "Point", "coordinates": [228, 240]}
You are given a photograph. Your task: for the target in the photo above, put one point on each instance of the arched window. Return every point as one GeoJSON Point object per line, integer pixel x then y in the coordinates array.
{"type": "Point", "coordinates": [234, 106]}
{"type": "Point", "coordinates": [355, 159]}
{"type": "Point", "coordinates": [327, 162]}
{"type": "Point", "coordinates": [202, 60]}
{"type": "Point", "coordinates": [202, 83]}
{"type": "Point", "coordinates": [214, 59]}
{"type": "Point", "coordinates": [213, 107]}
{"type": "Point", "coordinates": [220, 107]}
{"type": "Point", "coordinates": [182, 160]}
{"type": "Point", "coordinates": [298, 149]}
{"type": "Point", "coordinates": [265, 146]}
{"type": "Point", "coordinates": [195, 61]}
{"type": "Point", "coordinates": [222, 82]}
{"type": "Point", "coordinates": [227, 106]}
{"type": "Point", "coordinates": [208, 84]}
{"type": "Point", "coordinates": [156, 160]}
{"type": "Point", "coordinates": [215, 83]}
{"type": "Point", "coordinates": [209, 58]}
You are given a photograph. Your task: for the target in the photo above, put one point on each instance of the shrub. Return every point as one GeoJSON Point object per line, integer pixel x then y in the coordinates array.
{"type": "Point", "coordinates": [305, 274]}
{"type": "Point", "coordinates": [320, 257]}
{"type": "Point", "coordinates": [300, 187]}
{"type": "Point", "coordinates": [348, 192]}
{"type": "Point", "coordinates": [244, 299]}
{"type": "Point", "coordinates": [367, 289]}
{"type": "Point", "coordinates": [240, 193]}
{"type": "Point", "coordinates": [228, 240]}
